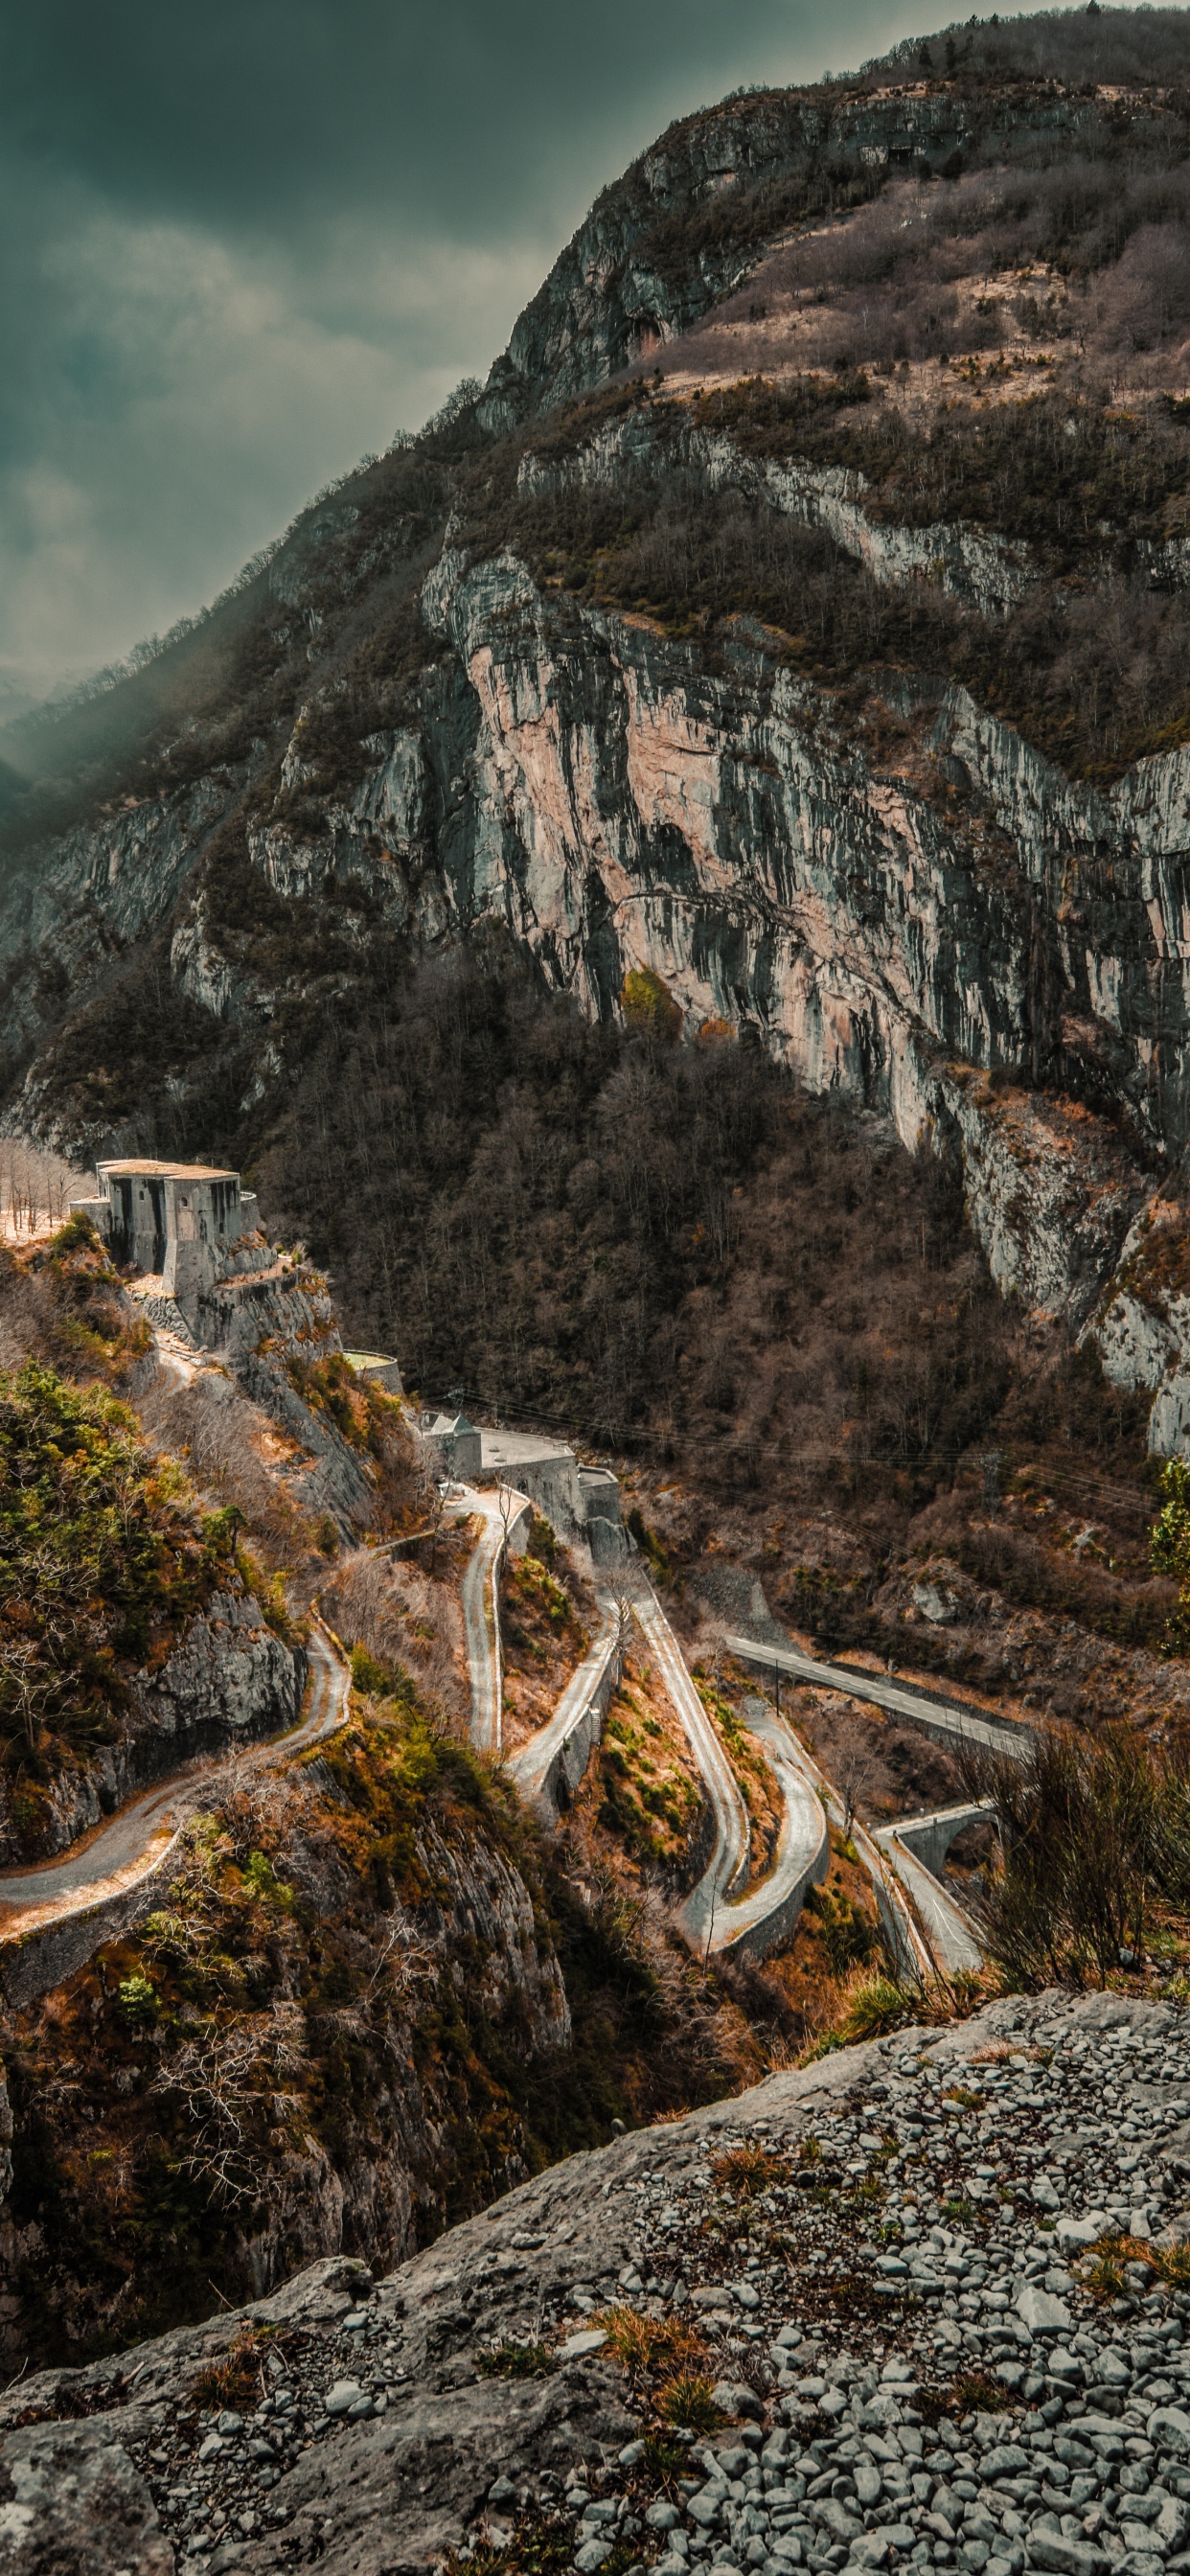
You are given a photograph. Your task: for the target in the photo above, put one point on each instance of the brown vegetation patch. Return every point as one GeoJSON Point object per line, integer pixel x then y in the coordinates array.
{"type": "Point", "coordinates": [548, 1617]}
{"type": "Point", "coordinates": [642, 1786]}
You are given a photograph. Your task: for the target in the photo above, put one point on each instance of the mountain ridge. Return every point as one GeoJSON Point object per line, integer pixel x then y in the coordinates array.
{"type": "Point", "coordinates": [817, 676]}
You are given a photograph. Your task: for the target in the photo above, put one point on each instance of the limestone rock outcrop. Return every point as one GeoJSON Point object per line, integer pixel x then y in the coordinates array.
{"type": "Point", "coordinates": [952, 932]}
{"type": "Point", "coordinates": [228, 1681]}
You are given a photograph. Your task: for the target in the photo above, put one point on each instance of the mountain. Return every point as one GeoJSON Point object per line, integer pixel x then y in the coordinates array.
{"type": "Point", "coordinates": [784, 651]}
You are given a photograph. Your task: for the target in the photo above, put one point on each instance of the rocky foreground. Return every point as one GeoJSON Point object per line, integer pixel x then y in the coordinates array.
{"type": "Point", "coordinates": [888, 2263]}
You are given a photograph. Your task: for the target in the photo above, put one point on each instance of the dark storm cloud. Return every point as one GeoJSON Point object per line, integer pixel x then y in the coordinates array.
{"type": "Point", "coordinates": [245, 240]}
{"type": "Point", "coordinates": [237, 113]}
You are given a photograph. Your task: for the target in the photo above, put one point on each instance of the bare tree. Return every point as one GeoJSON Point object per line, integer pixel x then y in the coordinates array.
{"type": "Point", "coordinates": [430, 1502]}
{"type": "Point", "coordinates": [225, 2078]}
{"type": "Point", "coordinates": [35, 1186]}
{"type": "Point", "coordinates": [619, 1597]}
{"type": "Point", "coordinates": [855, 1767]}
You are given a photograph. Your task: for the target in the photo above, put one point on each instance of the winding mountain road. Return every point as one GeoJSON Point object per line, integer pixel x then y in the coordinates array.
{"type": "Point", "coordinates": [756, 1922]}
{"type": "Point", "coordinates": [960, 1726]}
{"type": "Point", "coordinates": [128, 1846]}
{"type": "Point", "coordinates": [951, 1938]}
{"type": "Point", "coordinates": [948, 1928]}
{"type": "Point", "coordinates": [728, 1864]}
{"type": "Point", "coordinates": [547, 1769]}
{"type": "Point", "coordinates": [480, 1599]}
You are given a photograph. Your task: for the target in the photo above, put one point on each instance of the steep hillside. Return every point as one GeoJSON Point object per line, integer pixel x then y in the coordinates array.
{"type": "Point", "coordinates": [884, 2313]}
{"type": "Point", "coordinates": [131, 1635]}
{"type": "Point", "coordinates": [787, 651]}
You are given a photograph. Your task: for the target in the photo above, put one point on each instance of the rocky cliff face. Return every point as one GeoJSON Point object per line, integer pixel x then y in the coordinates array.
{"type": "Point", "coordinates": [229, 1681]}
{"type": "Point", "coordinates": [885, 882]}
{"type": "Point", "coordinates": [270, 1316]}
{"type": "Point", "coordinates": [689, 217]}
{"type": "Point", "coordinates": [350, 1995]}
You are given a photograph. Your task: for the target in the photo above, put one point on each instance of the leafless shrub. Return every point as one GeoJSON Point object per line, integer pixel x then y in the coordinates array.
{"type": "Point", "coordinates": [261, 1805]}
{"type": "Point", "coordinates": [35, 1185]}
{"type": "Point", "coordinates": [222, 1436]}
{"type": "Point", "coordinates": [402, 1616]}
{"type": "Point", "coordinates": [856, 1766]}
{"type": "Point", "coordinates": [227, 2079]}
{"type": "Point", "coordinates": [404, 1962]}
{"type": "Point", "coordinates": [1093, 1830]}
{"type": "Point", "coordinates": [882, 287]}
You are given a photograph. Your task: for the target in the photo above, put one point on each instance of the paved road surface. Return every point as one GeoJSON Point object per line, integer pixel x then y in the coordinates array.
{"type": "Point", "coordinates": [951, 1937]}
{"type": "Point", "coordinates": [728, 1864]}
{"type": "Point", "coordinates": [961, 1724]}
{"type": "Point", "coordinates": [531, 1767]}
{"type": "Point", "coordinates": [130, 1843]}
{"type": "Point", "coordinates": [480, 1593]}
{"type": "Point", "coordinates": [948, 1928]}
{"type": "Point", "coordinates": [803, 1856]}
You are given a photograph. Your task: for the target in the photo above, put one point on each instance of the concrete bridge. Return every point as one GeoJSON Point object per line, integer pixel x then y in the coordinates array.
{"type": "Point", "coordinates": [950, 1722]}
{"type": "Point", "coordinates": [917, 1846]}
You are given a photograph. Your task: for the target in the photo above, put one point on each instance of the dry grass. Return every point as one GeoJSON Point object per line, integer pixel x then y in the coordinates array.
{"type": "Point", "coordinates": [646, 2345]}
{"type": "Point", "coordinates": [1101, 2273]}
{"type": "Point", "coordinates": [747, 2171]}
{"type": "Point", "coordinates": [237, 2380]}
{"type": "Point", "coordinates": [688, 2399]}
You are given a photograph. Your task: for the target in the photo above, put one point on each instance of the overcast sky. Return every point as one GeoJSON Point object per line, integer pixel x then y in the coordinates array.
{"type": "Point", "coordinates": [242, 242]}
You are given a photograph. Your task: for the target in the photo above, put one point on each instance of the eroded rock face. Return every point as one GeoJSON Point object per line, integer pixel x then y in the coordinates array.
{"type": "Point", "coordinates": [263, 1311]}
{"type": "Point", "coordinates": [421, 2117]}
{"type": "Point", "coordinates": [99, 887]}
{"type": "Point", "coordinates": [77, 2503]}
{"type": "Point", "coordinates": [618, 804]}
{"type": "Point", "coordinates": [228, 1682]}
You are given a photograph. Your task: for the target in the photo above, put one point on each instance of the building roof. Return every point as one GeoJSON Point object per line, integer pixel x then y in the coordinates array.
{"type": "Point", "coordinates": [520, 1448]}
{"type": "Point", "coordinates": [168, 1171]}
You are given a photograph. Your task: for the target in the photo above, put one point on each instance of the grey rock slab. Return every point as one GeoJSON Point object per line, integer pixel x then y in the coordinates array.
{"type": "Point", "coordinates": [77, 2506]}
{"type": "Point", "coordinates": [1168, 2428]}
{"type": "Point", "coordinates": [1063, 2557]}
{"type": "Point", "coordinates": [339, 2399]}
{"type": "Point", "coordinates": [833, 2516]}
{"type": "Point", "coordinates": [1041, 2312]}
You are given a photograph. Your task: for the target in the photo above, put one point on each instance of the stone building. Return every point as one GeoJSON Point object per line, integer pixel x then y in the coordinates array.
{"type": "Point", "coordinates": [580, 1502]}
{"type": "Point", "coordinates": [377, 1370]}
{"type": "Point", "coordinates": [455, 1441]}
{"type": "Point", "coordinates": [170, 1221]}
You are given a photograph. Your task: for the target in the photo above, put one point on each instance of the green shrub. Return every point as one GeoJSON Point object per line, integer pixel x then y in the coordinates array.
{"type": "Point", "coordinates": [98, 1551]}
{"type": "Point", "coordinates": [138, 2000]}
